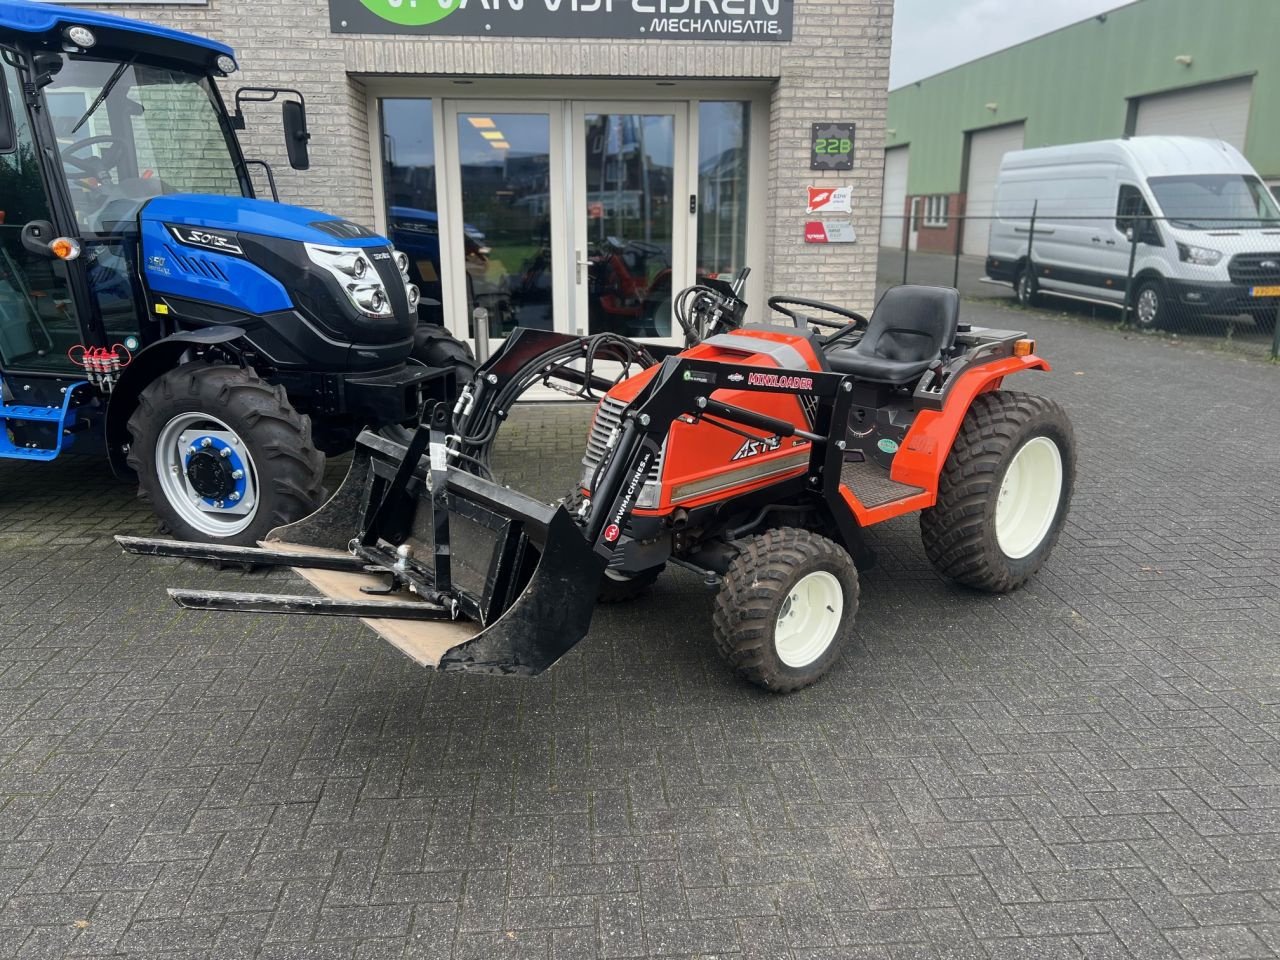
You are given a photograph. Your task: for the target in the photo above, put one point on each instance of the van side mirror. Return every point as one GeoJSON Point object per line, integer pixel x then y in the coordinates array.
{"type": "Point", "coordinates": [296, 135]}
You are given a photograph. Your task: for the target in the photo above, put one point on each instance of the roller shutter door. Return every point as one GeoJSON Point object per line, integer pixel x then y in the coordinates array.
{"type": "Point", "coordinates": [895, 197]}
{"type": "Point", "coordinates": [1218, 110]}
{"type": "Point", "coordinates": [986, 149]}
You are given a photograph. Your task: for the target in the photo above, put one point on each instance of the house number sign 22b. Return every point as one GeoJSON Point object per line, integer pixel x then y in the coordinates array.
{"type": "Point", "coordinates": [833, 146]}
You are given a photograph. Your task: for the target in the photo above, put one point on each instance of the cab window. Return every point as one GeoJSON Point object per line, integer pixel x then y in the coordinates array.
{"type": "Point", "coordinates": [38, 322]}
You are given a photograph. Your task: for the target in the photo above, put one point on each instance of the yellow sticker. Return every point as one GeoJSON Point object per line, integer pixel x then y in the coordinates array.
{"type": "Point", "coordinates": [162, 309]}
{"type": "Point", "coordinates": [428, 271]}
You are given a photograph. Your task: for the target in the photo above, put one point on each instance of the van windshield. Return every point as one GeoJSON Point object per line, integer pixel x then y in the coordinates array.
{"type": "Point", "coordinates": [1216, 201]}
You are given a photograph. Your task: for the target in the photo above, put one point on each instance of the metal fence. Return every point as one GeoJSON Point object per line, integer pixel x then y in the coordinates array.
{"type": "Point", "coordinates": [1213, 280]}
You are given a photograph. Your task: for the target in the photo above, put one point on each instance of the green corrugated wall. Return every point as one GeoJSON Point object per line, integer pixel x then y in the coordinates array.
{"type": "Point", "coordinates": [1072, 85]}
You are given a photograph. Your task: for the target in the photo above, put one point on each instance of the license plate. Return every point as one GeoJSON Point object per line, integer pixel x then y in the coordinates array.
{"type": "Point", "coordinates": [1266, 291]}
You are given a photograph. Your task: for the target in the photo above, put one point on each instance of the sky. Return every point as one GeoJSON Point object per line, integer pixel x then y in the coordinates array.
{"type": "Point", "coordinates": [930, 36]}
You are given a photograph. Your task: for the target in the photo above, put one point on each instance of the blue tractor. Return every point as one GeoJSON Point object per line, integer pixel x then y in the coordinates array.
{"type": "Point", "coordinates": [214, 345]}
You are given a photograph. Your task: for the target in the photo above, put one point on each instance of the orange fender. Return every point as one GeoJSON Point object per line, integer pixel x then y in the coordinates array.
{"type": "Point", "coordinates": [928, 443]}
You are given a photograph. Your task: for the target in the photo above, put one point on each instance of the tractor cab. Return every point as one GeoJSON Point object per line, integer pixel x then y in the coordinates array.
{"type": "Point", "coordinates": [151, 303]}
{"type": "Point", "coordinates": [95, 121]}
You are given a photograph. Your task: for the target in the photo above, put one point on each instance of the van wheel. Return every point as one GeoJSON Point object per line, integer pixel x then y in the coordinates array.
{"type": "Point", "coordinates": [1266, 321]}
{"type": "Point", "coordinates": [1149, 309]}
{"type": "Point", "coordinates": [1025, 287]}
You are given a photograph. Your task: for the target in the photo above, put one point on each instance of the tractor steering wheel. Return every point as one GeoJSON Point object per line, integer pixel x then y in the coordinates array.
{"type": "Point", "coordinates": [93, 166]}
{"type": "Point", "coordinates": [780, 305]}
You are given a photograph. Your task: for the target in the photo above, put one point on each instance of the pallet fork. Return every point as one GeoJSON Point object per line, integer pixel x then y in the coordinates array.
{"type": "Point", "coordinates": [433, 544]}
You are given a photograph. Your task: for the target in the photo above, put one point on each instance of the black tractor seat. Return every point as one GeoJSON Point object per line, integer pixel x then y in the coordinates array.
{"type": "Point", "coordinates": [910, 330]}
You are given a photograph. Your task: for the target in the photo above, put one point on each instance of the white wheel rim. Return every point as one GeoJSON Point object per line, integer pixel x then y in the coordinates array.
{"type": "Point", "coordinates": [1029, 498]}
{"type": "Point", "coordinates": [809, 619]}
{"type": "Point", "coordinates": [172, 453]}
{"type": "Point", "coordinates": [1024, 288]}
{"type": "Point", "coordinates": [1148, 307]}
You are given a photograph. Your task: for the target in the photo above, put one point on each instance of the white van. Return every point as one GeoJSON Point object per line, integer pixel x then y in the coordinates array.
{"type": "Point", "coordinates": [1214, 250]}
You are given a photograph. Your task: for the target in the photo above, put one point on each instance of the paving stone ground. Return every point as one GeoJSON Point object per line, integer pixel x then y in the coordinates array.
{"type": "Point", "coordinates": [1088, 768]}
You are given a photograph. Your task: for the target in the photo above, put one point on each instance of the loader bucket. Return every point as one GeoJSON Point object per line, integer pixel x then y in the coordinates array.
{"type": "Point", "coordinates": [500, 584]}
{"type": "Point", "coordinates": [521, 570]}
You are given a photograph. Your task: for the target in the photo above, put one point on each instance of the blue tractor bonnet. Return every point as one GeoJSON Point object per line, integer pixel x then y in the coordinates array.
{"type": "Point", "coordinates": [261, 217]}
{"type": "Point", "coordinates": [24, 16]}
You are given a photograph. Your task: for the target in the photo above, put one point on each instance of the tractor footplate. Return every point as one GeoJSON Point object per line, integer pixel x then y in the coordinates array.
{"type": "Point", "coordinates": [870, 483]}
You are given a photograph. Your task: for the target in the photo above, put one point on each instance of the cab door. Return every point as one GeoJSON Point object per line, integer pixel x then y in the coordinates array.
{"type": "Point", "coordinates": [40, 321]}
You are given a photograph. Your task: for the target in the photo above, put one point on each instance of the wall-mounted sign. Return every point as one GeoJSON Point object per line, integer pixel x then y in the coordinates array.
{"type": "Point", "coordinates": [832, 146]}
{"type": "Point", "coordinates": [820, 231]}
{"type": "Point", "coordinates": [830, 200]}
{"type": "Point", "coordinates": [592, 19]}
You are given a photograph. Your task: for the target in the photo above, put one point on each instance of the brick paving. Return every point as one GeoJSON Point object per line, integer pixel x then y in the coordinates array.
{"type": "Point", "coordinates": [1088, 768]}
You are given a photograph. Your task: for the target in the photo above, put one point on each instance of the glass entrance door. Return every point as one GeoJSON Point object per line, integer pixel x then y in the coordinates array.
{"type": "Point", "coordinates": [632, 216]}
{"type": "Point", "coordinates": [507, 213]}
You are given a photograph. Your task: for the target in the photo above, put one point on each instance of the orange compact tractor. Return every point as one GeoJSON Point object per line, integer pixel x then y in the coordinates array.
{"type": "Point", "coordinates": [756, 456]}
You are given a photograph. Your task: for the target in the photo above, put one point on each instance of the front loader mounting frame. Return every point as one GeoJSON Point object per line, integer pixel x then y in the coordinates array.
{"type": "Point", "coordinates": [448, 545]}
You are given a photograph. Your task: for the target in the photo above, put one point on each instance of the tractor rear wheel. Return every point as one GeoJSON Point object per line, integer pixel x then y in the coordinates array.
{"type": "Point", "coordinates": [785, 608]}
{"type": "Point", "coordinates": [222, 456]}
{"type": "Point", "coordinates": [1004, 492]}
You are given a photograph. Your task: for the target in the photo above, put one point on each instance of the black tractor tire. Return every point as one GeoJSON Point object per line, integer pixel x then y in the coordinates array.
{"type": "Point", "coordinates": [760, 588]}
{"type": "Point", "coordinates": [960, 531]}
{"type": "Point", "coordinates": [289, 468]}
{"type": "Point", "coordinates": [435, 346]}
{"type": "Point", "coordinates": [618, 588]}
{"type": "Point", "coordinates": [623, 589]}
{"type": "Point", "coordinates": [1024, 286]}
{"type": "Point", "coordinates": [1160, 316]}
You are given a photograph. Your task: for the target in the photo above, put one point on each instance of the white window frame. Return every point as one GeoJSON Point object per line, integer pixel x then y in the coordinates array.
{"type": "Point", "coordinates": [689, 92]}
{"type": "Point", "coordinates": [937, 210]}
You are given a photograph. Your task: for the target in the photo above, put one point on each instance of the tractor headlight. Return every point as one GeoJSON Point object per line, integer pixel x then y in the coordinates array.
{"type": "Point", "coordinates": [411, 290]}
{"type": "Point", "coordinates": [355, 275]}
{"type": "Point", "coordinates": [649, 494]}
{"type": "Point", "coordinates": [372, 299]}
{"type": "Point", "coordinates": [1201, 256]}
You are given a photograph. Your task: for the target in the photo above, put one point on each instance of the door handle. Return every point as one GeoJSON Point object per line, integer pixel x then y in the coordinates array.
{"type": "Point", "coordinates": [1097, 239]}
{"type": "Point", "coordinates": [581, 264]}
{"type": "Point", "coordinates": [1111, 243]}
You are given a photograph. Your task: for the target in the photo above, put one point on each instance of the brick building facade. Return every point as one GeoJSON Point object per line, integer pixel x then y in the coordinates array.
{"type": "Point", "coordinates": [834, 69]}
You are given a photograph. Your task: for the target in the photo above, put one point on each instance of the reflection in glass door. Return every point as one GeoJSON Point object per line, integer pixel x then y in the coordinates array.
{"type": "Point", "coordinates": [631, 229]}
{"type": "Point", "coordinates": [509, 208]}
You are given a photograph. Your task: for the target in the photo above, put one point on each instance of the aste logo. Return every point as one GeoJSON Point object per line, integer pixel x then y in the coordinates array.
{"type": "Point", "coordinates": [753, 448]}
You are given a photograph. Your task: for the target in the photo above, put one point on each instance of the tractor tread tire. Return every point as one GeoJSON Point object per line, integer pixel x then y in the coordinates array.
{"type": "Point", "coordinates": [751, 593]}
{"type": "Point", "coordinates": [959, 531]}
{"type": "Point", "coordinates": [282, 447]}
{"type": "Point", "coordinates": [434, 346]}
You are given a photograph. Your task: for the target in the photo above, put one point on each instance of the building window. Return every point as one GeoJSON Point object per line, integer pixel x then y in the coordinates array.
{"type": "Point", "coordinates": [935, 211]}
{"type": "Point", "coordinates": [409, 189]}
{"type": "Point", "coordinates": [724, 140]}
